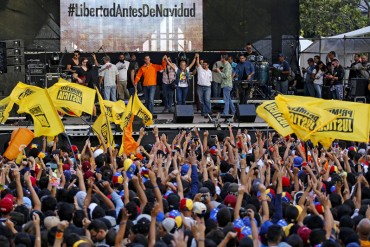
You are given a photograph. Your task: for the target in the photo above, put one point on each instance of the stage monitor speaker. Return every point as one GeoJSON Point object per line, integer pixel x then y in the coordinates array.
{"type": "Point", "coordinates": [183, 114]}
{"type": "Point", "coordinates": [359, 87]}
{"type": "Point", "coordinates": [246, 113]}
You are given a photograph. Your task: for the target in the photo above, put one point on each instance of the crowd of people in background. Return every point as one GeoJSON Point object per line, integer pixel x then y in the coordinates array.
{"type": "Point", "coordinates": [239, 189]}
{"type": "Point", "coordinates": [331, 75]}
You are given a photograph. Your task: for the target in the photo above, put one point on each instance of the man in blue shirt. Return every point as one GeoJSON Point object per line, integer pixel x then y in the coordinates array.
{"type": "Point", "coordinates": [283, 83]}
{"type": "Point", "coordinates": [244, 71]}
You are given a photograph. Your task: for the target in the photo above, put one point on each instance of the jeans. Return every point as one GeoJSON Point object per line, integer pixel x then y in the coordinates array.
{"type": "Point", "coordinates": [216, 90]}
{"type": "Point", "coordinates": [131, 91]}
{"type": "Point", "coordinates": [110, 93]}
{"type": "Point", "coordinates": [338, 92]}
{"type": "Point", "coordinates": [204, 94]}
{"type": "Point", "coordinates": [309, 89]}
{"type": "Point", "coordinates": [318, 89]}
{"type": "Point", "coordinates": [282, 86]}
{"type": "Point", "coordinates": [167, 96]}
{"type": "Point", "coordinates": [149, 92]}
{"type": "Point", "coordinates": [228, 101]}
{"type": "Point", "coordinates": [181, 94]}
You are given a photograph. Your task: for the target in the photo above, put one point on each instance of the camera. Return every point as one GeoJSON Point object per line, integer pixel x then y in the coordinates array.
{"type": "Point", "coordinates": [204, 197]}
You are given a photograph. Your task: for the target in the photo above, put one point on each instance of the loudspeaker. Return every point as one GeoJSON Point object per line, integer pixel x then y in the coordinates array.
{"type": "Point", "coordinates": [246, 113]}
{"type": "Point", "coordinates": [183, 114]}
{"type": "Point", "coordinates": [359, 87]}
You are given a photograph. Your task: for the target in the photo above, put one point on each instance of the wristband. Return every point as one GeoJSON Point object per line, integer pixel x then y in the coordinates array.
{"type": "Point", "coordinates": [123, 223]}
{"type": "Point", "coordinates": [201, 239]}
{"type": "Point", "coordinates": [154, 187]}
{"type": "Point", "coordinates": [59, 235]}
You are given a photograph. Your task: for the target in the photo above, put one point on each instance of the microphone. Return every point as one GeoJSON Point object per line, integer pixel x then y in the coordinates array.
{"type": "Point", "coordinates": [101, 48]}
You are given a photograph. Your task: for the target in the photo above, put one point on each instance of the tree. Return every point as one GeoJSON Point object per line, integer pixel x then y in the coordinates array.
{"type": "Point", "coordinates": [322, 18]}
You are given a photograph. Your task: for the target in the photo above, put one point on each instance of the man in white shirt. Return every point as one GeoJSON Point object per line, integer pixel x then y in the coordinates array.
{"type": "Point", "coordinates": [109, 79]}
{"type": "Point", "coordinates": [204, 86]}
{"type": "Point", "coordinates": [122, 67]}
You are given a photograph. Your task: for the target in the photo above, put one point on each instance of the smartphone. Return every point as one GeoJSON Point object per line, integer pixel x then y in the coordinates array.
{"type": "Point", "coordinates": [213, 136]}
{"type": "Point", "coordinates": [208, 159]}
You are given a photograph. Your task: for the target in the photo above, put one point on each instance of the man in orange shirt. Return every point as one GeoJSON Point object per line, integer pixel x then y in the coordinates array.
{"type": "Point", "coordinates": [149, 71]}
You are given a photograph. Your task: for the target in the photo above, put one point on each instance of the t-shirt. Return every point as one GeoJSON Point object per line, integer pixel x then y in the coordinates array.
{"type": "Point", "coordinates": [183, 80]}
{"type": "Point", "coordinates": [92, 77]}
{"type": "Point", "coordinates": [319, 77]}
{"type": "Point", "coordinates": [109, 73]}
{"type": "Point", "coordinates": [204, 76]}
{"type": "Point", "coordinates": [215, 75]}
{"type": "Point", "coordinates": [122, 70]}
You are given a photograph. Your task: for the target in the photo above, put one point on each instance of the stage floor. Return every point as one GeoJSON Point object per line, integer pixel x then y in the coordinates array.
{"type": "Point", "coordinates": [165, 121]}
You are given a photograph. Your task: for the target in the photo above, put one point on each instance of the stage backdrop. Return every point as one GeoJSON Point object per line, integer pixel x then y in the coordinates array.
{"type": "Point", "coordinates": [131, 25]}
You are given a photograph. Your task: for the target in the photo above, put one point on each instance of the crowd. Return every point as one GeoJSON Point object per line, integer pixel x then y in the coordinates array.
{"type": "Point", "coordinates": [331, 75]}
{"type": "Point", "coordinates": [195, 190]}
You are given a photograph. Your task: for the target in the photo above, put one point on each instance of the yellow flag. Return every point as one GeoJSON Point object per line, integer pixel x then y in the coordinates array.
{"type": "Point", "coordinates": [130, 110]}
{"type": "Point", "coordinates": [114, 110]}
{"type": "Point", "coordinates": [22, 91]}
{"type": "Point", "coordinates": [269, 112]}
{"type": "Point", "coordinates": [352, 123]}
{"type": "Point", "coordinates": [102, 124]}
{"type": "Point", "coordinates": [45, 117]}
{"type": "Point", "coordinates": [141, 111]}
{"type": "Point", "coordinates": [6, 106]}
{"type": "Point", "coordinates": [72, 97]}
{"type": "Point", "coordinates": [304, 119]}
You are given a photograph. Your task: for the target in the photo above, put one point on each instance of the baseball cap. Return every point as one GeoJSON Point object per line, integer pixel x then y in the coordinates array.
{"type": "Point", "coordinates": [130, 171]}
{"type": "Point", "coordinates": [199, 208]}
{"type": "Point", "coordinates": [285, 182]}
{"type": "Point", "coordinates": [170, 225]}
{"type": "Point", "coordinates": [86, 166]}
{"type": "Point", "coordinates": [233, 188]}
{"type": "Point", "coordinates": [176, 215]}
{"type": "Point", "coordinates": [265, 226]}
{"type": "Point", "coordinates": [6, 204]}
{"type": "Point", "coordinates": [281, 54]}
{"type": "Point", "coordinates": [298, 161]}
{"type": "Point", "coordinates": [304, 232]}
{"type": "Point", "coordinates": [186, 204]}
{"type": "Point", "coordinates": [117, 178]}
{"type": "Point", "coordinates": [230, 201]}
{"type": "Point", "coordinates": [184, 169]}
{"type": "Point", "coordinates": [98, 152]}
{"type": "Point", "coordinates": [51, 221]}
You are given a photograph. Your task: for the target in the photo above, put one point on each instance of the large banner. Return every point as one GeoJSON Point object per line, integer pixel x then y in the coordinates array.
{"type": "Point", "coordinates": [131, 25]}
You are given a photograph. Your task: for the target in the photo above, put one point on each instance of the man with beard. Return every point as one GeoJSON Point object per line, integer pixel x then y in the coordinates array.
{"type": "Point", "coordinates": [122, 67]}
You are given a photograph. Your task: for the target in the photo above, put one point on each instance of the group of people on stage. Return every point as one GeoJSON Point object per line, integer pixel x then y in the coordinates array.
{"type": "Point", "coordinates": [332, 74]}
{"type": "Point", "coordinates": [123, 78]}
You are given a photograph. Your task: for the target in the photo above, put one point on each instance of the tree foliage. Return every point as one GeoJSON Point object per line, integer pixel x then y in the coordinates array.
{"type": "Point", "coordinates": [322, 18]}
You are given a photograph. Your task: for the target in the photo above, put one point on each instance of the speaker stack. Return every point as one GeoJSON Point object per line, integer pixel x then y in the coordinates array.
{"type": "Point", "coordinates": [12, 65]}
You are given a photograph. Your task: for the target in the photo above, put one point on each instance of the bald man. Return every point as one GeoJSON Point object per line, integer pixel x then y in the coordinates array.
{"type": "Point", "coordinates": [363, 231]}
